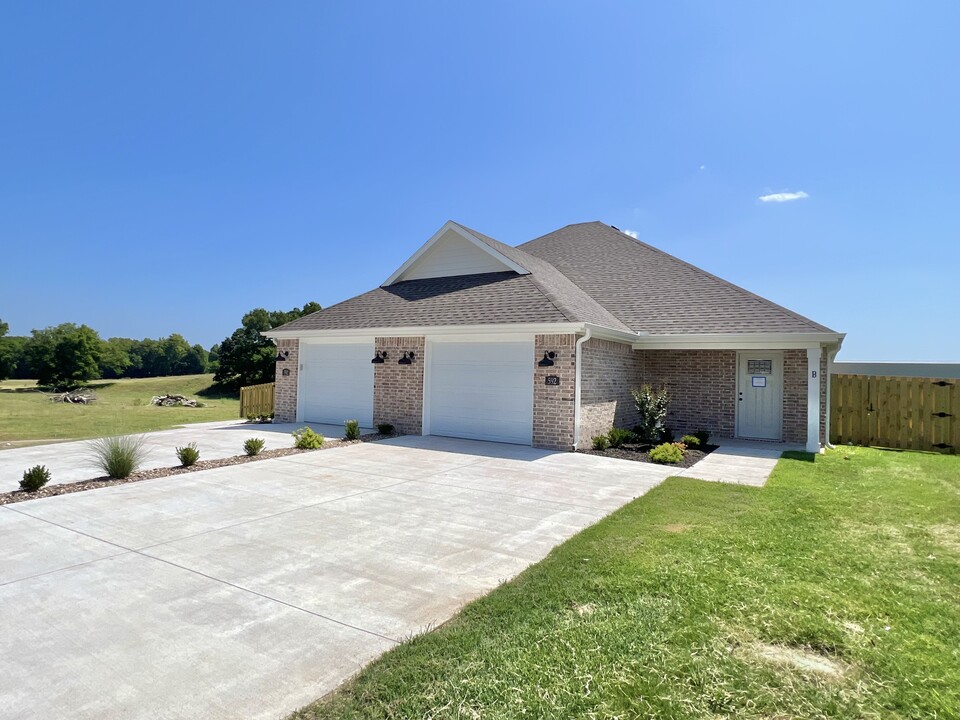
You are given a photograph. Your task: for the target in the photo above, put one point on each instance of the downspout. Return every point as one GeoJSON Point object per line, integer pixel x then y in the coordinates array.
{"type": "Point", "coordinates": [576, 389]}
{"type": "Point", "coordinates": [830, 357]}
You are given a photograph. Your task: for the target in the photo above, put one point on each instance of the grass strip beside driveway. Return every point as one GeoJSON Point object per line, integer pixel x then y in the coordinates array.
{"type": "Point", "coordinates": [830, 593]}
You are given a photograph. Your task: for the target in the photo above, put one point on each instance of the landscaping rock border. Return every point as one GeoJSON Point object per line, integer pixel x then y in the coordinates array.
{"type": "Point", "coordinates": [641, 453]}
{"type": "Point", "coordinates": [16, 496]}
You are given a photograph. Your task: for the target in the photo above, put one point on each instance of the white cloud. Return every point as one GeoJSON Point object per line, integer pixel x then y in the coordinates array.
{"type": "Point", "coordinates": [632, 233]}
{"type": "Point", "coordinates": [783, 197]}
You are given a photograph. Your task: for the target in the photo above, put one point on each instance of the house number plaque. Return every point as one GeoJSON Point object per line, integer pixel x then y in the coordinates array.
{"type": "Point", "coordinates": [551, 380]}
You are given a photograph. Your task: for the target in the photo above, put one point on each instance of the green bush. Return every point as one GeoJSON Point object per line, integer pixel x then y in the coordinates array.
{"type": "Point", "coordinates": [253, 446]}
{"type": "Point", "coordinates": [385, 428]}
{"type": "Point", "coordinates": [118, 457]}
{"type": "Point", "coordinates": [306, 439]}
{"type": "Point", "coordinates": [188, 455]}
{"type": "Point", "coordinates": [619, 436]}
{"type": "Point", "coordinates": [668, 453]}
{"type": "Point", "coordinates": [600, 442]}
{"type": "Point", "coordinates": [652, 407]}
{"type": "Point", "coordinates": [702, 436]}
{"type": "Point", "coordinates": [352, 429]}
{"type": "Point", "coordinates": [35, 478]}
{"type": "Point", "coordinates": [690, 440]}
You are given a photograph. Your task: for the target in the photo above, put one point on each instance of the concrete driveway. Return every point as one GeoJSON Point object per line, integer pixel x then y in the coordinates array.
{"type": "Point", "coordinates": [71, 461]}
{"type": "Point", "coordinates": [248, 591]}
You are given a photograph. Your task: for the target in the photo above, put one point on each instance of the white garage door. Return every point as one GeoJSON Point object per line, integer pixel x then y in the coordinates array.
{"type": "Point", "coordinates": [482, 391]}
{"type": "Point", "coordinates": [336, 383]}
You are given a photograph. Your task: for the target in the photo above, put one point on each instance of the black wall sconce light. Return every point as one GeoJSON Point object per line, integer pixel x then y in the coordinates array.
{"type": "Point", "coordinates": [407, 359]}
{"type": "Point", "coordinates": [547, 359]}
{"type": "Point", "coordinates": [379, 356]}
{"type": "Point", "coordinates": [282, 355]}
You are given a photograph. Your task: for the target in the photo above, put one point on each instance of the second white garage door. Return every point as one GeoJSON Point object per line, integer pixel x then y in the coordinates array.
{"type": "Point", "coordinates": [336, 383]}
{"type": "Point", "coordinates": [482, 391]}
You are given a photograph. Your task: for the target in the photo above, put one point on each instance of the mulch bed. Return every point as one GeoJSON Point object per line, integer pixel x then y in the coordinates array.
{"type": "Point", "coordinates": [16, 496]}
{"type": "Point", "coordinates": [641, 453]}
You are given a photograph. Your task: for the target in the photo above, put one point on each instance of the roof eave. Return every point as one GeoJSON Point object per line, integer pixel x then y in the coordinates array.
{"type": "Point", "coordinates": [739, 341]}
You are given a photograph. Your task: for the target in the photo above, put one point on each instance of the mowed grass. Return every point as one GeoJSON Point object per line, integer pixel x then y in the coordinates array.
{"type": "Point", "coordinates": [833, 592]}
{"type": "Point", "coordinates": [123, 406]}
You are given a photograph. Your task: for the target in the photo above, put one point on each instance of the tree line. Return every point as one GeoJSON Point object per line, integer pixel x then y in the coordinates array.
{"type": "Point", "coordinates": [66, 356]}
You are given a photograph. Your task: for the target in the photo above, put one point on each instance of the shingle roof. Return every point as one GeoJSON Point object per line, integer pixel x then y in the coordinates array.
{"type": "Point", "coordinates": [650, 290]}
{"type": "Point", "coordinates": [589, 272]}
{"type": "Point", "coordinates": [488, 298]}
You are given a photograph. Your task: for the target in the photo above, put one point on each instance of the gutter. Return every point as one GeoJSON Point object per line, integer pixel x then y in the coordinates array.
{"type": "Point", "coordinates": [588, 333]}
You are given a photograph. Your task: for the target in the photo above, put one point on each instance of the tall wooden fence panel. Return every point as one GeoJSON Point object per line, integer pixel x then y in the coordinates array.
{"type": "Point", "coordinates": [896, 412]}
{"type": "Point", "coordinates": [256, 400]}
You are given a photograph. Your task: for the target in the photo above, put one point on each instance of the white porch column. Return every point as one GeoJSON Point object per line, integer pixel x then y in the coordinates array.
{"type": "Point", "coordinates": [813, 399]}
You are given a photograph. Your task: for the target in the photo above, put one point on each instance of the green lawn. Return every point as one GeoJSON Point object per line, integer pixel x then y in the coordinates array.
{"type": "Point", "coordinates": [834, 592]}
{"type": "Point", "coordinates": [123, 406]}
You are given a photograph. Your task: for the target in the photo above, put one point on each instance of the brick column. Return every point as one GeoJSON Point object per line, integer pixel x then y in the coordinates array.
{"type": "Point", "coordinates": [285, 393]}
{"type": "Point", "coordinates": [553, 405]}
{"type": "Point", "coordinates": [398, 389]}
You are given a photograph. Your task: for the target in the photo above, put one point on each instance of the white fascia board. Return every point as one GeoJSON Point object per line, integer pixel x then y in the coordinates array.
{"type": "Point", "coordinates": [432, 330]}
{"type": "Point", "coordinates": [738, 341]}
{"type": "Point", "coordinates": [621, 336]}
{"type": "Point", "coordinates": [469, 237]}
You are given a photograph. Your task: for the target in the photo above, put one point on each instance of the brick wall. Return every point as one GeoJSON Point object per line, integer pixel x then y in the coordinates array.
{"type": "Point", "coordinates": [398, 389]}
{"type": "Point", "coordinates": [609, 371]}
{"type": "Point", "coordinates": [702, 386]}
{"type": "Point", "coordinates": [285, 390]}
{"type": "Point", "coordinates": [795, 396]}
{"type": "Point", "coordinates": [553, 405]}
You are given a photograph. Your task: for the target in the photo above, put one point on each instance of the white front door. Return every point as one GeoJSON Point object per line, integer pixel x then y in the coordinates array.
{"type": "Point", "coordinates": [759, 395]}
{"type": "Point", "coordinates": [480, 390]}
{"type": "Point", "coordinates": [336, 383]}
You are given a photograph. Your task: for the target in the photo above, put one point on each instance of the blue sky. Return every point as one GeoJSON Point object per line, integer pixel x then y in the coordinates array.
{"type": "Point", "coordinates": [166, 167]}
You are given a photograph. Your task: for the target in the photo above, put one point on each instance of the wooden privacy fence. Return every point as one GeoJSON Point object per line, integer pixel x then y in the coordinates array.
{"type": "Point", "coordinates": [896, 412]}
{"type": "Point", "coordinates": [256, 400]}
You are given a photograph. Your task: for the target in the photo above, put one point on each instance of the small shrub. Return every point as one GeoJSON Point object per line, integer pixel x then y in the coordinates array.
{"type": "Point", "coordinates": [385, 428]}
{"type": "Point", "coordinates": [118, 457]}
{"type": "Point", "coordinates": [652, 407]}
{"type": "Point", "coordinates": [188, 455]}
{"type": "Point", "coordinates": [667, 454]}
{"type": "Point", "coordinates": [306, 439]}
{"type": "Point", "coordinates": [351, 429]}
{"type": "Point", "coordinates": [619, 436]}
{"type": "Point", "coordinates": [702, 436]}
{"type": "Point", "coordinates": [35, 478]}
{"type": "Point", "coordinates": [690, 440]}
{"type": "Point", "coordinates": [600, 442]}
{"type": "Point", "coordinates": [253, 446]}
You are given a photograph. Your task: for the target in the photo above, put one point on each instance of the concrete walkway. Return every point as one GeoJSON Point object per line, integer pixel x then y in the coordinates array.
{"type": "Point", "coordinates": [71, 461]}
{"type": "Point", "coordinates": [743, 462]}
{"type": "Point", "coordinates": [251, 590]}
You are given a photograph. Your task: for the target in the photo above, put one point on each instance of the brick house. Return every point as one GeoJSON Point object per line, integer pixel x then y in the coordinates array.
{"type": "Point", "coordinates": [541, 344]}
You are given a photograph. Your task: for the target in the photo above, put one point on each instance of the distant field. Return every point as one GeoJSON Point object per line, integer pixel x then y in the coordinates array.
{"type": "Point", "coordinates": [27, 417]}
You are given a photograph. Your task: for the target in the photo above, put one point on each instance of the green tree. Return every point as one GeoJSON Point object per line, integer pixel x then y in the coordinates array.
{"type": "Point", "coordinates": [7, 358]}
{"type": "Point", "coordinates": [65, 356]}
{"type": "Point", "coordinates": [247, 357]}
{"type": "Point", "coordinates": [115, 357]}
